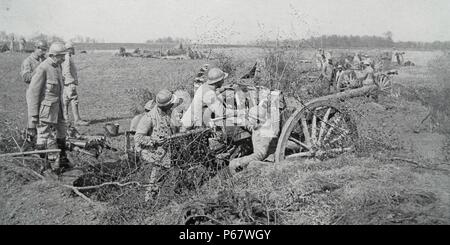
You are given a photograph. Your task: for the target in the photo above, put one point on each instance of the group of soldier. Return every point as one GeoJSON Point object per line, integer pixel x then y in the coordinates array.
{"type": "Point", "coordinates": [52, 87]}
{"type": "Point", "coordinates": [164, 117]}
{"type": "Point", "coordinates": [331, 72]}
{"type": "Point", "coordinates": [52, 80]}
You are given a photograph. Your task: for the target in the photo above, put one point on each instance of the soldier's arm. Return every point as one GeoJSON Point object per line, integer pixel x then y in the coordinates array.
{"type": "Point", "coordinates": [25, 72]}
{"type": "Point", "coordinates": [37, 85]}
{"type": "Point", "coordinates": [216, 105]}
{"type": "Point", "coordinates": [144, 128]}
{"type": "Point", "coordinates": [66, 71]}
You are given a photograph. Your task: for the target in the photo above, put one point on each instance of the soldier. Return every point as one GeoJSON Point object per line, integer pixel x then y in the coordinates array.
{"type": "Point", "coordinates": [45, 103]}
{"type": "Point", "coordinates": [31, 62]}
{"type": "Point", "coordinates": [70, 77]}
{"type": "Point", "coordinates": [22, 45]}
{"type": "Point", "coordinates": [327, 75]}
{"type": "Point", "coordinates": [11, 45]}
{"type": "Point", "coordinates": [367, 77]}
{"type": "Point", "coordinates": [200, 78]}
{"type": "Point", "coordinates": [151, 132]}
{"type": "Point", "coordinates": [338, 74]}
{"type": "Point", "coordinates": [27, 70]}
{"type": "Point", "coordinates": [205, 102]}
{"type": "Point", "coordinates": [264, 134]}
{"type": "Point", "coordinates": [136, 119]}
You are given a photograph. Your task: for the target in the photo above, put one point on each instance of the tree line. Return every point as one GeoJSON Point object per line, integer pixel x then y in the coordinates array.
{"type": "Point", "coordinates": [7, 37]}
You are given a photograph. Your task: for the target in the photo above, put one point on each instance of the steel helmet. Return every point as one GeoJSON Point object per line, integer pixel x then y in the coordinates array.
{"type": "Point", "coordinates": [69, 44]}
{"type": "Point", "coordinates": [216, 75]}
{"type": "Point", "coordinates": [165, 98]}
{"type": "Point", "coordinates": [57, 48]}
{"type": "Point", "coordinates": [41, 44]}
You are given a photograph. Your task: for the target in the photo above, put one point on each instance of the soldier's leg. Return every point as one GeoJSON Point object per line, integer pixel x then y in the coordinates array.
{"type": "Point", "coordinates": [75, 109]}
{"type": "Point", "coordinates": [66, 101]}
{"type": "Point", "coordinates": [152, 188]}
{"type": "Point", "coordinates": [43, 141]}
{"type": "Point", "coordinates": [62, 161]}
{"type": "Point", "coordinates": [260, 152]}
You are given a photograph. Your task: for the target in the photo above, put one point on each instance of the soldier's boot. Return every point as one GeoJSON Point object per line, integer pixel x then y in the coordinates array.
{"type": "Point", "coordinates": [62, 160]}
{"type": "Point", "coordinates": [152, 188]}
{"type": "Point", "coordinates": [46, 165]}
{"type": "Point", "coordinates": [76, 115]}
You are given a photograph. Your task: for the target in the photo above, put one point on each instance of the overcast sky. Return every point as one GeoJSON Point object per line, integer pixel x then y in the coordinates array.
{"type": "Point", "coordinates": [227, 20]}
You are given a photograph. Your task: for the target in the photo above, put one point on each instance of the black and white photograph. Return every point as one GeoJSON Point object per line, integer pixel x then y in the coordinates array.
{"type": "Point", "coordinates": [225, 112]}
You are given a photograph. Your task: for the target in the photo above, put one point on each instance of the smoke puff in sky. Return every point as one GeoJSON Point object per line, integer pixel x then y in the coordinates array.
{"type": "Point", "coordinates": [227, 21]}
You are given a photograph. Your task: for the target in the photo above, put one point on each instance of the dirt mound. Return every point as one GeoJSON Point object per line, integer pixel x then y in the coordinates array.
{"type": "Point", "coordinates": [25, 199]}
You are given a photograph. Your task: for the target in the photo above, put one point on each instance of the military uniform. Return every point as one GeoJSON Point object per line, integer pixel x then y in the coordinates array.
{"type": "Point", "coordinates": [29, 66]}
{"type": "Point", "coordinates": [152, 127]}
{"type": "Point", "coordinates": [44, 99]}
{"type": "Point", "coordinates": [368, 77]}
{"type": "Point", "coordinates": [327, 75]}
{"type": "Point", "coordinates": [204, 98]}
{"type": "Point", "coordinates": [70, 83]}
{"type": "Point", "coordinates": [264, 137]}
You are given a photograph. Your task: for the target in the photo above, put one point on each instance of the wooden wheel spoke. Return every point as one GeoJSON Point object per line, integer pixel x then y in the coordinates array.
{"type": "Point", "coordinates": [323, 125]}
{"type": "Point", "coordinates": [341, 135]}
{"type": "Point", "coordinates": [301, 154]}
{"type": "Point", "coordinates": [333, 125]}
{"type": "Point", "coordinates": [305, 131]}
{"type": "Point", "coordinates": [314, 129]}
{"type": "Point", "coordinates": [339, 150]}
{"type": "Point", "coordinates": [298, 142]}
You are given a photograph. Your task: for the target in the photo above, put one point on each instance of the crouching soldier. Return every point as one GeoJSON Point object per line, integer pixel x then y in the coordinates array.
{"type": "Point", "coordinates": [45, 104]}
{"type": "Point", "coordinates": [153, 128]}
{"type": "Point", "coordinates": [264, 129]}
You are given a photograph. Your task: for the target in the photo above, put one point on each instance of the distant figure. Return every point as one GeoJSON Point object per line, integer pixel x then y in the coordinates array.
{"type": "Point", "coordinates": [22, 43]}
{"type": "Point", "coordinates": [357, 59]}
{"type": "Point", "coordinates": [399, 57]}
{"type": "Point", "coordinates": [368, 77]}
{"type": "Point", "coordinates": [11, 45]}
{"type": "Point", "coordinates": [327, 74]}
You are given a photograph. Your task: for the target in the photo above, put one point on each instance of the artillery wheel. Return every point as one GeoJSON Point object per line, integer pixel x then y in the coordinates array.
{"type": "Point", "coordinates": [384, 84]}
{"type": "Point", "coordinates": [321, 129]}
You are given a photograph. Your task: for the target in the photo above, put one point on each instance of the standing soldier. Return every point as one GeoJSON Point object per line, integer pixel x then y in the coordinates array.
{"type": "Point", "coordinates": [22, 45]}
{"type": "Point", "coordinates": [327, 75]}
{"type": "Point", "coordinates": [11, 45]}
{"type": "Point", "coordinates": [151, 132]}
{"type": "Point", "coordinates": [27, 70]}
{"type": "Point", "coordinates": [45, 104]}
{"type": "Point", "coordinates": [70, 78]}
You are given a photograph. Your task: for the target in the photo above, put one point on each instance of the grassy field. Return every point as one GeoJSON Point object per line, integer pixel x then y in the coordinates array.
{"type": "Point", "coordinates": [373, 186]}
